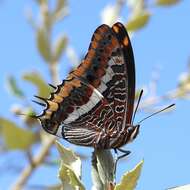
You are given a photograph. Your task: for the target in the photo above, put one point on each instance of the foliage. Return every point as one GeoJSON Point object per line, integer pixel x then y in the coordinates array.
{"type": "Point", "coordinates": [129, 179]}
{"type": "Point", "coordinates": [16, 137]}
{"type": "Point", "coordinates": [102, 172]}
{"type": "Point", "coordinates": [70, 168]}
{"type": "Point", "coordinates": [51, 50]}
{"type": "Point", "coordinates": [36, 80]}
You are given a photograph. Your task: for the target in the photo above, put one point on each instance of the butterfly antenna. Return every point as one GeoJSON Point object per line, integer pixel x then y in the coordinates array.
{"type": "Point", "coordinates": [156, 113]}
{"type": "Point", "coordinates": [139, 99]}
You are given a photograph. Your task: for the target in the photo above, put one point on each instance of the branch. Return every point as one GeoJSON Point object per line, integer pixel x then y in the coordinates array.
{"type": "Point", "coordinates": [37, 160]}
{"type": "Point", "coordinates": [103, 168]}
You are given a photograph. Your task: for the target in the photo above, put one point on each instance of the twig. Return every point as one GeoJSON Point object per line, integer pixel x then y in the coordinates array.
{"type": "Point", "coordinates": [37, 160]}
{"type": "Point", "coordinates": [41, 155]}
{"type": "Point", "coordinates": [103, 165]}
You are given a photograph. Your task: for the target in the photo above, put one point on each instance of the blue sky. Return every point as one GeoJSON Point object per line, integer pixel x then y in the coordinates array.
{"type": "Point", "coordinates": [164, 141]}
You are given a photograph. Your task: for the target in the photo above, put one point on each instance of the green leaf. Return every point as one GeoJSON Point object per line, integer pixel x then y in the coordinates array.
{"type": "Point", "coordinates": [69, 179]}
{"type": "Point", "coordinates": [36, 79]}
{"type": "Point", "coordinates": [13, 87]}
{"type": "Point", "coordinates": [132, 4]}
{"type": "Point", "coordinates": [43, 44]}
{"type": "Point", "coordinates": [60, 6]}
{"type": "Point", "coordinates": [129, 179]}
{"type": "Point", "coordinates": [41, 2]}
{"type": "Point", "coordinates": [138, 21]}
{"type": "Point", "coordinates": [61, 9]}
{"type": "Point", "coordinates": [16, 137]}
{"type": "Point", "coordinates": [69, 158]}
{"type": "Point", "coordinates": [167, 2]}
{"type": "Point", "coordinates": [70, 170]}
{"type": "Point", "coordinates": [60, 46]}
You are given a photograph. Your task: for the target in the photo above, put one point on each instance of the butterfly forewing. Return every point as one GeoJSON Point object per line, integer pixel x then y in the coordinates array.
{"type": "Point", "coordinates": [129, 62]}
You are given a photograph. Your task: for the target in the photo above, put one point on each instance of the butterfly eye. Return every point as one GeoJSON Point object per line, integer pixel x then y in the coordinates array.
{"type": "Point", "coordinates": [130, 128]}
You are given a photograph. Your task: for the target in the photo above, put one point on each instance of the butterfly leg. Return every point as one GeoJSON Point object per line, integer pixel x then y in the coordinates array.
{"type": "Point", "coordinates": [117, 157]}
{"type": "Point", "coordinates": [125, 153]}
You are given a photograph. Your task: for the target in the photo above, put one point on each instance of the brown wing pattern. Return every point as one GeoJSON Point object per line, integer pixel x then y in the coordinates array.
{"type": "Point", "coordinates": [97, 98]}
{"type": "Point", "coordinates": [109, 67]}
{"type": "Point", "coordinates": [127, 50]}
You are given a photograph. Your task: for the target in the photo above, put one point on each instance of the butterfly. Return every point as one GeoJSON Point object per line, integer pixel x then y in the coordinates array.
{"type": "Point", "coordinates": [94, 105]}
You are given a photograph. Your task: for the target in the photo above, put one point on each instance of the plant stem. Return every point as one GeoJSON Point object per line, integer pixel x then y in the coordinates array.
{"type": "Point", "coordinates": [44, 149]}
{"type": "Point", "coordinates": [103, 166]}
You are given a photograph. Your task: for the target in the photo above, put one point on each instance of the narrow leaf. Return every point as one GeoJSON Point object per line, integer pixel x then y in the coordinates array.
{"type": "Point", "coordinates": [167, 2]}
{"type": "Point", "coordinates": [43, 44]}
{"type": "Point", "coordinates": [132, 4]}
{"type": "Point", "coordinates": [129, 179]}
{"type": "Point", "coordinates": [36, 79]}
{"type": "Point", "coordinates": [69, 158]}
{"type": "Point", "coordinates": [60, 6]}
{"type": "Point", "coordinates": [69, 179]}
{"type": "Point", "coordinates": [41, 2]}
{"type": "Point", "coordinates": [61, 9]}
{"type": "Point", "coordinates": [13, 87]}
{"type": "Point", "coordinates": [16, 137]}
{"type": "Point", "coordinates": [70, 170]}
{"type": "Point", "coordinates": [60, 46]}
{"type": "Point", "coordinates": [64, 177]}
{"type": "Point", "coordinates": [138, 21]}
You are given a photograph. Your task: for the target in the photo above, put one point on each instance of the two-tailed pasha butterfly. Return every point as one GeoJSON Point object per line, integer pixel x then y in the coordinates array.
{"type": "Point", "coordinates": [94, 105]}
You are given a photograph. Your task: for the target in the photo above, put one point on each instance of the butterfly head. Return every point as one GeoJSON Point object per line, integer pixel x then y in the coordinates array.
{"type": "Point", "coordinates": [133, 131]}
